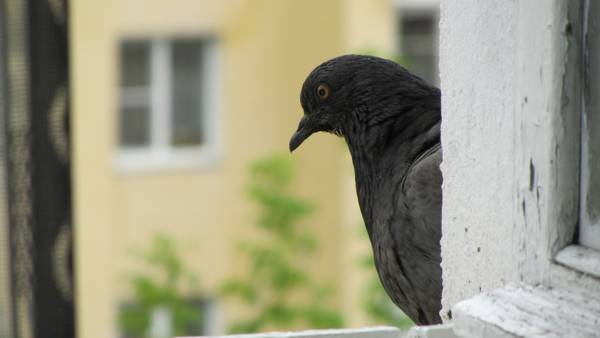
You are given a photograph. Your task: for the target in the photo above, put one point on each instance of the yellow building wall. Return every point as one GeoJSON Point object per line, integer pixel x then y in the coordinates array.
{"type": "Point", "coordinates": [268, 48]}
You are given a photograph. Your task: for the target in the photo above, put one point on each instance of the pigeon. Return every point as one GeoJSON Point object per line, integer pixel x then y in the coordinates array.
{"type": "Point", "coordinates": [390, 120]}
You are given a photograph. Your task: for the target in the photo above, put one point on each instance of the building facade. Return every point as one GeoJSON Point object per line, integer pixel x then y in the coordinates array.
{"type": "Point", "coordinates": [143, 165]}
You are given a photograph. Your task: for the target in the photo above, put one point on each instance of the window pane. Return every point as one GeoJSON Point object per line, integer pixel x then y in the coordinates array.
{"type": "Point", "coordinates": [418, 44]}
{"type": "Point", "coordinates": [135, 126]}
{"type": "Point", "coordinates": [135, 87]}
{"type": "Point", "coordinates": [186, 118]}
{"type": "Point", "coordinates": [589, 234]}
{"type": "Point", "coordinates": [135, 64]}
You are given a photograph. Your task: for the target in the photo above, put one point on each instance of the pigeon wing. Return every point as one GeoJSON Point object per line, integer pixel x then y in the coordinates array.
{"type": "Point", "coordinates": [422, 188]}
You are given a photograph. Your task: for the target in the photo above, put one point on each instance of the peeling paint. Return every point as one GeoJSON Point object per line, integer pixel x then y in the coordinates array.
{"type": "Point", "coordinates": [510, 140]}
{"type": "Point", "coordinates": [531, 174]}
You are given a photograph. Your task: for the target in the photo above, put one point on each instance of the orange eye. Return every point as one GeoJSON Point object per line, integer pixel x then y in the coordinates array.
{"type": "Point", "coordinates": [323, 91]}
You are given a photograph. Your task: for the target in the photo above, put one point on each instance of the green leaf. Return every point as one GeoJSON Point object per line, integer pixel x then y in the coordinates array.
{"type": "Point", "coordinates": [160, 289]}
{"type": "Point", "coordinates": [279, 293]}
{"type": "Point", "coordinates": [244, 290]}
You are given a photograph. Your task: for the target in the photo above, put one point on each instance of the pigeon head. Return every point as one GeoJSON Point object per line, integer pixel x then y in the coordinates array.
{"type": "Point", "coordinates": [349, 92]}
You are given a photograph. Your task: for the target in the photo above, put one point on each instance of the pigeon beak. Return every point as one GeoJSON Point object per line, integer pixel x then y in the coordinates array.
{"type": "Point", "coordinates": [303, 132]}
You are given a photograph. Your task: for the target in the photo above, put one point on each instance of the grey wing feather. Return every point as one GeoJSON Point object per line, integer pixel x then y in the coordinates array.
{"type": "Point", "coordinates": [422, 189]}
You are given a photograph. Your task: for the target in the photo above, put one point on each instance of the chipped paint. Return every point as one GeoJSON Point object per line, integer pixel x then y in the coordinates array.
{"type": "Point", "coordinates": [510, 135]}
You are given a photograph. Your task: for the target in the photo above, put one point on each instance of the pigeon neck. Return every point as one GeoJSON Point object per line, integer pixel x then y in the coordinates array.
{"type": "Point", "coordinates": [382, 155]}
{"type": "Point", "coordinates": [387, 142]}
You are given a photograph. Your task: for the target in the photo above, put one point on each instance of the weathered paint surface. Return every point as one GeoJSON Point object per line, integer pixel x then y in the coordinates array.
{"type": "Point", "coordinates": [510, 135]}
{"type": "Point", "coordinates": [477, 66]}
{"type": "Point", "coordinates": [581, 258]}
{"type": "Point", "coordinates": [525, 311]}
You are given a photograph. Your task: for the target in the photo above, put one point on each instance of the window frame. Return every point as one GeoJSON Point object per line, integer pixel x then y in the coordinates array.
{"type": "Point", "coordinates": [160, 154]}
{"type": "Point", "coordinates": [574, 255]}
{"type": "Point", "coordinates": [548, 266]}
{"type": "Point", "coordinates": [589, 234]}
{"type": "Point", "coordinates": [548, 145]}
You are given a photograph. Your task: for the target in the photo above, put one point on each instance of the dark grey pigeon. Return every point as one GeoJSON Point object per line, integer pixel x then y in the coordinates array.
{"type": "Point", "coordinates": [390, 120]}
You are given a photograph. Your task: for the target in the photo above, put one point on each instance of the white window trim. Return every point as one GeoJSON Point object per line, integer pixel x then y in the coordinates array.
{"type": "Point", "coordinates": [527, 311]}
{"type": "Point", "coordinates": [552, 214]}
{"type": "Point", "coordinates": [556, 296]}
{"type": "Point", "coordinates": [160, 155]}
{"type": "Point", "coordinates": [589, 233]}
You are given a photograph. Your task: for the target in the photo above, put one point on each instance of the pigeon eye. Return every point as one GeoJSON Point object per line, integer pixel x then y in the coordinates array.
{"type": "Point", "coordinates": [323, 91]}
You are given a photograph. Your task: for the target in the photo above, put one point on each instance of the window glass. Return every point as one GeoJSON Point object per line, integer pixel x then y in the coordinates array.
{"type": "Point", "coordinates": [135, 64]}
{"type": "Point", "coordinates": [135, 126]}
{"type": "Point", "coordinates": [186, 98]}
{"type": "Point", "coordinates": [418, 34]}
{"type": "Point", "coordinates": [135, 89]}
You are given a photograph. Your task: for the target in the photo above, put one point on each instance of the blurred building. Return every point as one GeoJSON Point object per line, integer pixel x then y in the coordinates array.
{"type": "Point", "coordinates": [172, 100]}
{"type": "Point", "coordinates": [417, 28]}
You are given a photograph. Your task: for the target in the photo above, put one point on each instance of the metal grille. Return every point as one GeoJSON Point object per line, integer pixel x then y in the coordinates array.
{"type": "Point", "coordinates": [35, 189]}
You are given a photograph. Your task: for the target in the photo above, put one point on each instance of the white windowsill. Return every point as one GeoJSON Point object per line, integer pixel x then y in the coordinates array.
{"type": "Point", "coordinates": [580, 258]}
{"type": "Point", "coordinates": [527, 311]}
{"type": "Point", "coordinates": [366, 332]}
{"type": "Point", "coordinates": [131, 162]}
{"type": "Point", "coordinates": [432, 331]}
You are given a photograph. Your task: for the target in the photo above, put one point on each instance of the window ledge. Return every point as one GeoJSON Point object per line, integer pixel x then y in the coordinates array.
{"type": "Point", "coordinates": [142, 161]}
{"type": "Point", "coordinates": [366, 332]}
{"type": "Point", "coordinates": [580, 258]}
{"type": "Point", "coordinates": [527, 311]}
{"type": "Point", "coordinates": [432, 331]}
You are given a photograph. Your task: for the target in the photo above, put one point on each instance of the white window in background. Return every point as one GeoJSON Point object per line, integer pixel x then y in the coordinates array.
{"type": "Point", "coordinates": [168, 104]}
{"type": "Point", "coordinates": [418, 34]}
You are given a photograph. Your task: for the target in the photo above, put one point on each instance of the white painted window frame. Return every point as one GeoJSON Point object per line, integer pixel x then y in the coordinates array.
{"type": "Point", "coordinates": [579, 257]}
{"type": "Point", "coordinates": [589, 227]}
{"type": "Point", "coordinates": [560, 259]}
{"type": "Point", "coordinates": [160, 155]}
{"type": "Point", "coordinates": [559, 278]}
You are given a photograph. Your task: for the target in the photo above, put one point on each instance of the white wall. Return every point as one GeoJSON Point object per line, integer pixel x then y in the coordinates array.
{"type": "Point", "coordinates": [510, 135]}
{"type": "Point", "coordinates": [477, 62]}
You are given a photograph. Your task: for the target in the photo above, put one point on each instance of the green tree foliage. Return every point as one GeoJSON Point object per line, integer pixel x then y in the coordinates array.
{"type": "Point", "coordinates": [277, 290]}
{"type": "Point", "coordinates": [160, 286]}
